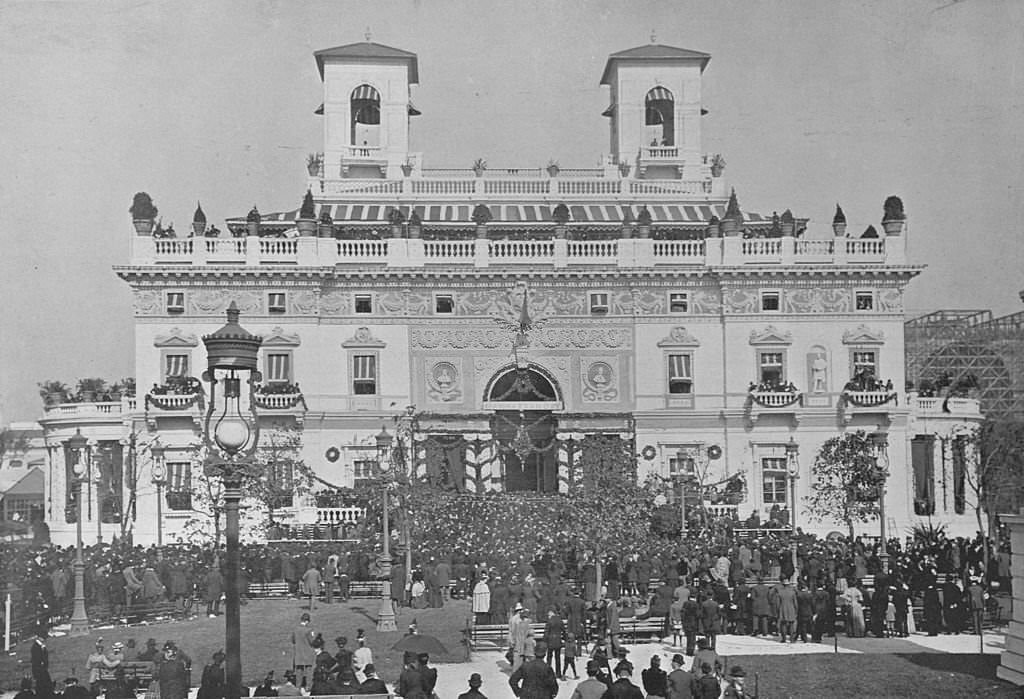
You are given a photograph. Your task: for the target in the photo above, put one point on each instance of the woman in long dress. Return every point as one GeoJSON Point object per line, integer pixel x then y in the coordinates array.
{"type": "Point", "coordinates": [855, 606]}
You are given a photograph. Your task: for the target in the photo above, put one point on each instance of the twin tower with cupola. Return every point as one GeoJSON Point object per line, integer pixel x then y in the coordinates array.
{"type": "Point", "coordinates": [654, 114]}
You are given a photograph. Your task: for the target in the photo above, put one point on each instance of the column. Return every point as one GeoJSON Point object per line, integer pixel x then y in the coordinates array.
{"type": "Point", "coordinates": [1011, 662]}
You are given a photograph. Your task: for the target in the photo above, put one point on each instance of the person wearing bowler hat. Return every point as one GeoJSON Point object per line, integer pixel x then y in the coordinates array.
{"type": "Point", "coordinates": [592, 687]}
{"type": "Point", "coordinates": [678, 681]}
{"type": "Point", "coordinates": [372, 684]}
{"type": "Point", "coordinates": [734, 688]}
{"type": "Point", "coordinates": [212, 684]}
{"type": "Point", "coordinates": [172, 674]}
{"type": "Point", "coordinates": [622, 687]}
{"type": "Point", "coordinates": [73, 690]}
{"type": "Point", "coordinates": [474, 688]}
{"type": "Point", "coordinates": [535, 679]}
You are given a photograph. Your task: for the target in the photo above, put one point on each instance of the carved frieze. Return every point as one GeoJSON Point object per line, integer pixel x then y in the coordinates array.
{"type": "Point", "coordinates": [279, 338]}
{"type": "Point", "coordinates": [303, 302]}
{"type": "Point", "coordinates": [679, 337]}
{"type": "Point", "coordinates": [336, 303]}
{"type": "Point", "coordinates": [148, 303]}
{"type": "Point", "coordinates": [547, 337]}
{"type": "Point", "coordinates": [391, 303]}
{"type": "Point", "coordinates": [363, 338]}
{"type": "Point", "coordinates": [771, 336]}
{"type": "Point", "coordinates": [890, 300]}
{"type": "Point", "coordinates": [216, 301]}
{"type": "Point", "coordinates": [705, 301]}
{"type": "Point", "coordinates": [176, 337]}
{"type": "Point", "coordinates": [863, 335]}
{"type": "Point", "coordinates": [740, 300]}
{"type": "Point", "coordinates": [817, 300]}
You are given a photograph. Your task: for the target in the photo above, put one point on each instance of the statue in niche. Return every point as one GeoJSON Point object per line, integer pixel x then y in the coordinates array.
{"type": "Point", "coordinates": [819, 371]}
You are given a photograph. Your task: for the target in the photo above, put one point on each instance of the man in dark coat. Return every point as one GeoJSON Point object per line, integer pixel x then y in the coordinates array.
{"type": "Point", "coordinates": [804, 613]}
{"type": "Point", "coordinates": [822, 602]}
{"type": "Point", "coordinates": [575, 613]}
{"type": "Point", "coordinates": [475, 683]}
{"type": "Point", "coordinates": [709, 619]}
{"type": "Point", "coordinates": [932, 610]}
{"type": "Point", "coordinates": [760, 607]}
{"type": "Point", "coordinates": [535, 679]}
{"type": "Point", "coordinates": [622, 688]}
{"type": "Point", "coordinates": [372, 684]}
{"type": "Point", "coordinates": [678, 680]}
{"type": "Point", "coordinates": [214, 589]}
{"type": "Point", "coordinates": [741, 600]}
{"type": "Point", "coordinates": [41, 665]}
{"type": "Point", "coordinates": [690, 617]}
{"type": "Point", "coordinates": [901, 600]}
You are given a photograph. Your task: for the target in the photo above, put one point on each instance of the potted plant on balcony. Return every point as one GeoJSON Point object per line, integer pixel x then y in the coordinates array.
{"type": "Point", "coordinates": [326, 225]}
{"type": "Point", "coordinates": [839, 222]}
{"type": "Point", "coordinates": [643, 223]}
{"type": "Point", "coordinates": [128, 386]}
{"type": "Point", "coordinates": [481, 217]}
{"type": "Point", "coordinates": [732, 221]}
{"type": "Point", "coordinates": [314, 162]}
{"type": "Point", "coordinates": [553, 168]}
{"type": "Point", "coordinates": [717, 165]}
{"type": "Point", "coordinates": [88, 389]}
{"type": "Point", "coordinates": [396, 218]}
{"type": "Point", "coordinates": [116, 392]}
{"type": "Point", "coordinates": [415, 225]}
{"type": "Point", "coordinates": [53, 392]}
{"type": "Point", "coordinates": [788, 223]}
{"type": "Point", "coordinates": [479, 165]}
{"type": "Point", "coordinates": [893, 215]}
{"type": "Point", "coordinates": [143, 213]}
{"type": "Point", "coordinates": [624, 168]}
{"type": "Point", "coordinates": [199, 221]}
{"type": "Point", "coordinates": [252, 222]}
{"type": "Point", "coordinates": [307, 216]}
{"type": "Point", "coordinates": [407, 167]}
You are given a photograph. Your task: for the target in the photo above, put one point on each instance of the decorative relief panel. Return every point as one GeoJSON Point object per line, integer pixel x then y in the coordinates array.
{"type": "Point", "coordinates": [863, 335]}
{"type": "Point", "coordinates": [176, 338]}
{"type": "Point", "coordinates": [148, 303]}
{"type": "Point", "coordinates": [494, 338]}
{"type": "Point", "coordinates": [279, 338]}
{"type": "Point", "coordinates": [705, 301]}
{"type": "Point", "coordinates": [303, 302]}
{"type": "Point", "coordinates": [486, 367]}
{"type": "Point", "coordinates": [336, 303]}
{"type": "Point", "coordinates": [600, 378]}
{"type": "Point", "coordinates": [622, 302]}
{"type": "Point", "coordinates": [363, 338]}
{"type": "Point", "coordinates": [392, 303]}
{"type": "Point", "coordinates": [679, 337]}
{"type": "Point", "coordinates": [817, 301]}
{"type": "Point", "coordinates": [444, 380]}
{"type": "Point", "coordinates": [417, 302]}
{"type": "Point", "coordinates": [739, 300]}
{"type": "Point", "coordinates": [649, 301]}
{"type": "Point", "coordinates": [216, 301]}
{"type": "Point", "coordinates": [890, 300]}
{"type": "Point", "coordinates": [771, 336]}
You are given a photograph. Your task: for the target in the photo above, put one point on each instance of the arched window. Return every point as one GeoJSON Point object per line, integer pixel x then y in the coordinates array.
{"type": "Point", "coordinates": [365, 109]}
{"type": "Point", "coordinates": [522, 385]}
{"type": "Point", "coordinates": [659, 118]}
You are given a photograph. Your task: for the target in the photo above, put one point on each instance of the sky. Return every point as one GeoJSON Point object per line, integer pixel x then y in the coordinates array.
{"type": "Point", "coordinates": [811, 102]}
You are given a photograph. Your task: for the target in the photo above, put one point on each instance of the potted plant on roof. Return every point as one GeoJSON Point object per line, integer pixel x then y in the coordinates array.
{"type": "Point", "coordinates": [643, 223]}
{"type": "Point", "coordinates": [788, 223]}
{"type": "Point", "coordinates": [407, 167]}
{"type": "Point", "coordinates": [624, 168]}
{"type": "Point", "coordinates": [252, 222]}
{"type": "Point", "coordinates": [839, 222]}
{"type": "Point", "coordinates": [143, 213]}
{"type": "Point", "coordinates": [560, 215]}
{"type": "Point", "coordinates": [717, 165]}
{"type": "Point", "coordinates": [553, 168]}
{"type": "Point", "coordinates": [199, 221]}
{"type": "Point", "coordinates": [481, 217]}
{"type": "Point", "coordinates": [326, 225]}
{"type": "Point", "coordinates": [732, 221]}
{"type": "Point", "coordinates": [415, 225]}
{"type": "Point", "coordinates": [88, 389]}
{"type": "Point", "coordinates": [307, 216]}
{"type": "Point", "coordinates": [479, 165]}
{"type": "Point", "coordinates": [53, 392]}
{"type": "Point", "coordinates": [128, 386]}
{"type": "Point", "coordinates": [893, 215]}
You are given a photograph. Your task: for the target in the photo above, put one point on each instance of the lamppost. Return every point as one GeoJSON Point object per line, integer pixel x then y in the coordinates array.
{"type": "Point", "coordinates": [159, 469]}
{"type": "Point", "coordinates": [880, 447]}
{"type": "Point", "coordinates": [793, 471]}
{"type": "Point", "coordinates": [78, 450]}
{"type": "Point", "coordinates": [385, 456]}
{"type": "Point", "coordinates": [230, 434]}
{"type": "Point", "coordinates": [681, 476]}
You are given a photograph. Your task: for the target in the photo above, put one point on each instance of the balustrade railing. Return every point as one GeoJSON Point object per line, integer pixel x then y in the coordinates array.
{"type": "Point", "coordinates": [815, 248]}
{"type": "Point", "coordinates": [762, 247]}
{"type": "Point", "coordinates": [279, 249]}
{"type": "Point", "coordinates": [863, 248]}
{"type": "Point", "coordinates": [449, 250]}
{"type": "Point", "coordinates": [363, 152]}
{"type": "Point", "coordinates": [595, 250]}
{"type": "Point", "coordinates": [224, 247]}
{"type": "Point", "coordinates": [443, 187]}
{"type": "Point", "coordinates": [520, 187]}
{"type": "Point", "coordinates": [361, 250]}
{"type": "Point", "coordinates": [69, 410]}
{"type": "Point", "coordinates": [588, 187]}
{"type": "Point", "coordinates": [661, 152]}
{"type": "Point", "coordinates": [520, 250]}
{"type": "Point", "coordinates": [685, 250]}
{"type": "Point", "coordinates": [670, 187]}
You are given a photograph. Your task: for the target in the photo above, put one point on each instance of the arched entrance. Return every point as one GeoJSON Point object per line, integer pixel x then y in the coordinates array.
{"type": "Point", "coordinates": [524, 428]}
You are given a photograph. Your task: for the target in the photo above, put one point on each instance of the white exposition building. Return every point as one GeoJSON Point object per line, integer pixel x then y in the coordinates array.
{"type": "Point", "coordinates": [705, 337]}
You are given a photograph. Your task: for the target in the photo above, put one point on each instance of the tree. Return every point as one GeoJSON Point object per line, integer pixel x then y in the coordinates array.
{"type": "Point", "coordinates": [992, 454]}
{"type": "Point", "coordinates": [12, 442]}
{"type": "Point", "coordinates": [282, 473]}
{"type": "Point", "coordinates": [848, 480]}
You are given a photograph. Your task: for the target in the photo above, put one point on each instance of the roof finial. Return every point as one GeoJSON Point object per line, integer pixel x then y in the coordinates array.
{"type": "Point", "coordinates": [654, 37]}
{"type": "Point", "coordinates": [367, 34]}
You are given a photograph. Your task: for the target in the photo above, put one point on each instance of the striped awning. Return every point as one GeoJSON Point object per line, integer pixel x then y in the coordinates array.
{"type": "Point", "coordinates": [659, 94]}
{"type": "Point", "coordinates": [526, 214]}
{"type": "Point", "coordinates": [366, 92]}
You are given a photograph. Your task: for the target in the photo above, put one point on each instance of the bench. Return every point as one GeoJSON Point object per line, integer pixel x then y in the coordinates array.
{"type": "Point", "coordinates": [161, 611]}
{"type": "Point", "coordinates": [366, 588]}
{"type": "Point", "coordinates": [650, 629]}
{"type": "Point", "coordinates": [350, 696]}
{"type": "Point", "coordinates": [495, 636]}
{"type": "Point", "coordinates": [269, 589]}
{"type": "Point", "coordinates": [137, 673]}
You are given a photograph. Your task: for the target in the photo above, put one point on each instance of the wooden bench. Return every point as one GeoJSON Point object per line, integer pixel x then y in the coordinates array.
{"type": "Point", "coordinates": [649, 629]}
{"type": "Point", "coordinates": [366, 588]}
{"type": "Point", "coordinates": [140, 613]}
{"type": "Point", "coordinates": [495, 636]}
{"type": "Point", "coordinates": [269, 589]}
{"type": "Point", "coordinates": [137, 673]}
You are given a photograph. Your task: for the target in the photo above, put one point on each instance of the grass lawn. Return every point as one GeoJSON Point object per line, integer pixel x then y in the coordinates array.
{"type": "Point", "coordinates": [876, 675]}
{"type": "Point", "coordinates": [266, 638]}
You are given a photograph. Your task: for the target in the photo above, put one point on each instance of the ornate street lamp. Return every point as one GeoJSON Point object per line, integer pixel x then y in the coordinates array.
{"type": "Point", "coordinates": [880, 448]}
{"type": "Point", "coordinates": [79, 452]}
{"type": "Point", "coordinates": [681, 477]}
{"type": "Point", "coordinates": [385, 456]}
{"type": "Point", "coordinates": [156, 451]}
{"type": "Point", "coordinates": [793, 471]}
{"type": "Point", "coordinates": [230, 435]}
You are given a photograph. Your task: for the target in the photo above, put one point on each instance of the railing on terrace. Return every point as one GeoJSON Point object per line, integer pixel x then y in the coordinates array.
{"type": "Point", "coordinates": [946, 406]}
{"type": "Point", "coordinates": [76, 410]}
{"type": "Point", "coordinates": [497, 244]}
{"type": "Point", "coordinates": [363, 152]}
{"type": "Point", "coordinates": [661, 152]}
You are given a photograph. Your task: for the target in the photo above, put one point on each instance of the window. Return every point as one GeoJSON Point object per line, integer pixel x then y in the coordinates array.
{"type": "Point", "coordinates": [364, 374]}
{"type": "Point", "coordinates": [176, 366]}
{"type": "Point", "coordinates": [599, 303]}
{"type": "Point", "coordinates": [772, 368]}
{"type": "Point", "coordinates": [364, 468]}
{"type": "Point", "coordinates": [364, 303]}
{"type": "Point", "coordinates": [680, 373]}
{"type": "Point", "coordinates": [864, 301]}
{"type": "Point", "coordinates": [444, 304]}
{"type": "Point", "coordinates": [773, 480]}
{"type": "Point", "coordinates": [770, 301]}
{"type": "Point", "coordinates": [176, 302]}
{"type": "Point", "coordinates": [275, 302]}
{"type": "Point", "coordinates": [865, 362]}
{"type": "Point", "coordinates": [279, 367]}
{"type": "Point", "coordinates": [21, 508]}
{"type": "Point", "coordinates": [179, 485]}
{"type": "Point", "coordinates": [681, 463]}
{"type": "Point", "coordinates": [678, 302]}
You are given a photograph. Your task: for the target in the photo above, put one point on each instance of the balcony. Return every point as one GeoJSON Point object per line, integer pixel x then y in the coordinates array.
{"type": "Point", "coordinates": [779, 400]}
{"type": "Point", "coordinates": [945, 407]}
{"type": "Point", "coordinates": [624, 252]}
{"type": "Point", "coordinates": [90, 412]}
{"type": "Point", "coordinates": [279, 398]}
{"type": "Point", "coordinates": [178, 396]}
